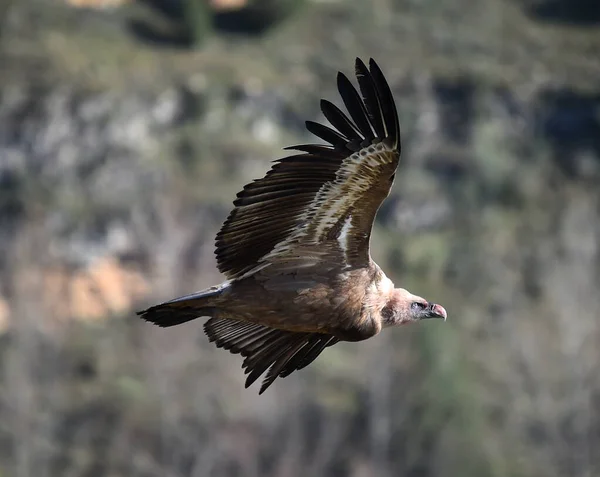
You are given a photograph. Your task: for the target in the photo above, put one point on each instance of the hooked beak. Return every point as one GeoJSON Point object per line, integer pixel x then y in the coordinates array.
{"type": "Point", "coordinates": [435, 311]}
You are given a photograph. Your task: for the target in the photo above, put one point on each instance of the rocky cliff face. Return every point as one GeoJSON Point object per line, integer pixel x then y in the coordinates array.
{"type": "Point", "coordinates": [81, 164]}
{"type": "Point", "coordinates": [92, 166]}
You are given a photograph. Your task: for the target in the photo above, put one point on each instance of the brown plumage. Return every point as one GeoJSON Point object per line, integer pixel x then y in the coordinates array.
{"type": "Point", "coordinates": [295, 248]}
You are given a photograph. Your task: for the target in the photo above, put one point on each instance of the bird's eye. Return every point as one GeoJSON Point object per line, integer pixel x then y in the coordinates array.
{"type": "Point", "coordinates": [418, 306]}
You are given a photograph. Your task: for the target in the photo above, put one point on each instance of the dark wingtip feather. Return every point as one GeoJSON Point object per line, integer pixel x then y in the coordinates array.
{"type": "Point", "coordinates": [359, 65]}
{"type": "Point", "coordinates": [340, 121]}
{"type": "Point", "coordinates": [355, 106]}
{"type": "Point", "coordinates": [320, 150]}
{"type": "Point", "coordinates": [371, 98]}
{"type": "Point", "coordinates": [327, 134]}
{"type": "Point", "coordinates": [276, 352]}
{"type": "Point", "coordinates": [388, 105]}
{"type": "Point", "coordinates": [372, 112]}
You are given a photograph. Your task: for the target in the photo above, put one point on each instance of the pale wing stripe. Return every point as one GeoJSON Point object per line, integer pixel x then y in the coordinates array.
{"type": "Point", "coordinates": [334, 199]}
{"type": "Point", "coordinates": [344, 234]}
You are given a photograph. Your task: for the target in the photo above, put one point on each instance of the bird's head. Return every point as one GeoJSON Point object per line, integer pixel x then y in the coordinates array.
{"type": "Point", "coordinates": [404, 307]}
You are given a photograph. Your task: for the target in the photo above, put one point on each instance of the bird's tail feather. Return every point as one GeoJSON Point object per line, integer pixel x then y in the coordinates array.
{"type": "Point", "coordinates": [185, 308]}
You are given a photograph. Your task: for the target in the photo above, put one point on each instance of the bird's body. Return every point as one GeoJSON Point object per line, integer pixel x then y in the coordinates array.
{"type": "Point", "coordinates": [295, 248]}
{"type": "Point", "coordinates": [343, 304]}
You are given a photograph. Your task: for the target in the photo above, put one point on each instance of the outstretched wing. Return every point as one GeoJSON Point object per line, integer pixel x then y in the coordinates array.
{"type": "Point", "coordinates": [320, 205]}
{"type": "Point", "coordinates": [280, 352]}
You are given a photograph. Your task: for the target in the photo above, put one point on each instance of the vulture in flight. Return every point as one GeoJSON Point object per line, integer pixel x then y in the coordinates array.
{"type": "Point", "coordinates": [295, 248]}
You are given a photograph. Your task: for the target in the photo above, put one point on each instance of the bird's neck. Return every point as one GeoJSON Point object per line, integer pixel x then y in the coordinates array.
{"type": "Point", "coordinates": [395, 311]}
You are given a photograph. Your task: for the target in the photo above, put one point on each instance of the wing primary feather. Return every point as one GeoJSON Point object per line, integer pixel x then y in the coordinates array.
{"type": "Point", "coordinates": [267, 351]}
{"type": "Point", "coordinates": [327, 134]}
{"type": "Point", "coordinates": [316, 149]}
{"type": "Point", "coordinates": [340, 121]}
{"type": "Point", "coordinates": [327, 155]}
{"type": "Point", "coordinates": [244, 340]}
{"type": "Point", "coordinates": [355, 106]}
{"type": "Point", "coordinates": [280, 363]}
{"type": "Point", "coordinates": [268, 356]}
{"type": "Point", "coordinates": [388, 105]}
{"type": "Point", "coordinates": [371, 98]}
{"type": "Point", "coordinates": [308, 354]}
{"type": "Point", "coordinates": [256, 345]}
{"type": "Point", "coordinates": [282, 182]}
{"type": "Point", "coordinates": [280, 352]}
{"type": "Point", "coordinates": [292, 365]}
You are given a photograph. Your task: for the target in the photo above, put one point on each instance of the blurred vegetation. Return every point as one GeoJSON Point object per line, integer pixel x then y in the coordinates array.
{"type": "Point", "coordinates": [127, 132]}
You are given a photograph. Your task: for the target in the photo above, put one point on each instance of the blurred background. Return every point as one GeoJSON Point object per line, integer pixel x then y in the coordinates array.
{"type": "Point", "coordinates": [127, 127]}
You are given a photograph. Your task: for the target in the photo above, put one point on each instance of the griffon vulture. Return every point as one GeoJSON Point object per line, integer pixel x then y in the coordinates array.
{"type": "Point", "coordinates": [295, 249]}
